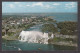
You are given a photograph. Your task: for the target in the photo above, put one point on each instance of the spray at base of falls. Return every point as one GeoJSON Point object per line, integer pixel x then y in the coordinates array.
{"type": "Point", "coordinates": [34, 37]}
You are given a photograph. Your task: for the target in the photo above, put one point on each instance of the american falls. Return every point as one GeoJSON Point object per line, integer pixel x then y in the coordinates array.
{"type": "Point", "coordinates": [34, 37]}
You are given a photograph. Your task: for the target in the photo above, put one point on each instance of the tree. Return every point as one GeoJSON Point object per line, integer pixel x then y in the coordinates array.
{"type": "Point", "coordinates": [67, 28]}
{"type": "Point", "coordinates": [49, 28]}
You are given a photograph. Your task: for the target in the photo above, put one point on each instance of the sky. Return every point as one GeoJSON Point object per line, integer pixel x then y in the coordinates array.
{"type": "Point", "coordinates": [39, 7]}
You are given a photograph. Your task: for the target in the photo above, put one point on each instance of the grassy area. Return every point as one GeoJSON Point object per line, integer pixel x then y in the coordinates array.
{"type": "Point", "coordinates": [58, 39]}
{"type": "Point", "coordinates": [63, 41]}
{"type": "Point", "coordinates": [10, 37]}
{"type": "Point", "coordinates": [63, 47]}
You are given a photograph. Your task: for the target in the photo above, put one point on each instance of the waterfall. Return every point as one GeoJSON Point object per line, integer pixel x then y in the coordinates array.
{"type": "Point", "coordinates": [52, 36]}
{"type": "Point", "coordinates": [34, 37]}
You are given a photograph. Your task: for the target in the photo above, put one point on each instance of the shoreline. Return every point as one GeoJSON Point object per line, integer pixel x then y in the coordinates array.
{"type": "Point", "coordinates": [56, 43]}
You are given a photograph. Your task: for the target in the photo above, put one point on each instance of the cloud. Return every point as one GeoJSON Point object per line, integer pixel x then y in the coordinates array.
{"type": "Point", "coordinates": [37, 4]}
{"type": "Point", "coordinates": [20, 5]}
{"type": "Point", "coordinates": [45, 6]}
{"type": "Point", "coordinates": [16, 2]}
{"type": "Point", "coordinates": [56, 3]}
{"type": "Point", "coordinates": [70, 5]}
{"type": "Point", "coordinates": [11, 6]}
{"type": "Point", "coordinates": [28, 5]}
{"type": "Point", "coordinates": [48, 6]}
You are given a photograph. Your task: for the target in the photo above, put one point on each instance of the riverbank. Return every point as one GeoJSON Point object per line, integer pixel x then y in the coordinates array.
{"type": "Point", "coordinates": [64, 44]}
{"type": "Point", "coordinates": [10, 37]}
{"type": "Point", "coordinates": [64, 47]}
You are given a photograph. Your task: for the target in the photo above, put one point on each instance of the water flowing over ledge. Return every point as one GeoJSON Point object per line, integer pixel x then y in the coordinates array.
{"type": "Point", "coordinates": [34, 37]}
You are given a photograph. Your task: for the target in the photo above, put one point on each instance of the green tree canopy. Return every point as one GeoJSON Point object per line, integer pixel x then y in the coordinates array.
{"type": "Point", "coordinates": [49, 28]}
{"type": "Point", "coordinates": [67, 28]}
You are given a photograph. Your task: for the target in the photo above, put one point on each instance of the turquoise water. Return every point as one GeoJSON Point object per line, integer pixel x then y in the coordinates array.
{"type": "Point", "coordinates": [35, 28]}
{"type": "Point", "coordinates": [65, 17]}
{"type": "Point", "coordinates": [24, 46]}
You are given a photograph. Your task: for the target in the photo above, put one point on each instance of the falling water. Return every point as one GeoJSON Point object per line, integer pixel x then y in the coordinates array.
{"type": "Point", "coordinates": [34, 37]}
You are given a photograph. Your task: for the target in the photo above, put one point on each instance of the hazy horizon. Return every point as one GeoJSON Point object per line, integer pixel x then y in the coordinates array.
{"type": "Point", "coordinates": [44, 12]}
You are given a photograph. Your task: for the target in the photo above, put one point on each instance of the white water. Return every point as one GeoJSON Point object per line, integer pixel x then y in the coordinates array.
{"type": "Point", "coordinates": [34, 37]}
